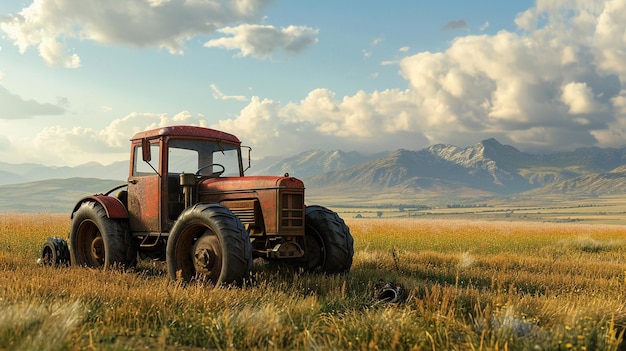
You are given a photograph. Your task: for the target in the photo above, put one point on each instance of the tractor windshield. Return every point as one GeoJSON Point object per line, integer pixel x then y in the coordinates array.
{"type": "Point", "coordinates": [207, 158]}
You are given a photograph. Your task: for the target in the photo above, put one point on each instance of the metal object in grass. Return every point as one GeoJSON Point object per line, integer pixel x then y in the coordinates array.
{"type": "Point", "coordinates": [389, 292]}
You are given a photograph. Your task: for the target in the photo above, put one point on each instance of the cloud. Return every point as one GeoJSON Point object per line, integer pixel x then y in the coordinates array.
{"type": "Point", "coordinates": [580, 99]}
{"type": "Point", "coordinates": [545, 89]}
{"type": "Point", "coordinates": [59, 145]}
{"type": "Point", "coordinates": [538, 89]}
{"type": "Point", "coordinates": [555, 85]}
{"type": "Point", "coordinates": [52, 25]}
{"type": "Point", "coordinates": [261, 41]}
{"type": "Point", "coordinates": [374, 43]}
{"type": "Point", "coordinates": [54, 53]}
{"type": "Point", "coordinates": [452, 25]}
{"type": "Point", "coordinates": [218, 95]}
{"type": "Point", "coordinates": [14, 107]}
{"type": "Point", "coordinates": [5, 143]}
{"type": "Point", "coordinates": [362, 122]}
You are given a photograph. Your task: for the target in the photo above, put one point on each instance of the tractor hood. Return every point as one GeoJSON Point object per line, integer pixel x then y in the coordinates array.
{"type": "Point", "coordinates": [266, 205]}
{"type": "Point", "coordinates": [248, 183]}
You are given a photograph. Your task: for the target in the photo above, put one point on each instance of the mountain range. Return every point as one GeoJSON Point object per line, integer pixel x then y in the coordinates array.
{"type": "Point", "coordinates": [11, 173]}
{"type": "Point", "coordinates": [487, 169]}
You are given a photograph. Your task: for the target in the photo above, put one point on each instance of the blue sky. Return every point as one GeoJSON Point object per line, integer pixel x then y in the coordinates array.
{"type": "Point", "coordinates": [78, 78]}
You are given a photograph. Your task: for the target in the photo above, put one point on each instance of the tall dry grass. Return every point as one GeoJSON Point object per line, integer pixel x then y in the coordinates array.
{"type": "Point", "coordinates": [470, 286]}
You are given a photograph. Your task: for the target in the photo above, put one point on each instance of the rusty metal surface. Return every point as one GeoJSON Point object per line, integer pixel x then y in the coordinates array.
{"type": "Point", "coordinates": [113, 207]}
{"type": "Point", "coordinates": [144, 204]}
{"type": "Point", "coordinates": [265, 189]}
{"type": "Point", "coordinates": [225, 184]}
{"type": "Point", "coordinates": [189, 132]}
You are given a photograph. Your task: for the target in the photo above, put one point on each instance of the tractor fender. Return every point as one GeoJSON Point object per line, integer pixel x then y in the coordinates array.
{"type": "Point", "coordinates": [113, 206]}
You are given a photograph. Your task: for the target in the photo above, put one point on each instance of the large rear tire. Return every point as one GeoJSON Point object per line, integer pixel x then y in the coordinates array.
{"type": "Point", "coordinates": [329, 244]}
{"type": "Point", "coordinates": [97, 241]}
{"type": "Point", "coordinates": [209, 243]}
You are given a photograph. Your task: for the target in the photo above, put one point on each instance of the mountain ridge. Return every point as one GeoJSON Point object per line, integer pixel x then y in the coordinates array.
{"type": "Point", "coordinates": [485, 169]}
{"type": "Point", "coordinates": [487, 166]}
{"type": "Point", "coordinates": [11, 173]}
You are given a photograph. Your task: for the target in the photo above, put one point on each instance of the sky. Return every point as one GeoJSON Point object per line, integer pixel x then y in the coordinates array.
{"type": "Point", "coordinates": [79, 78]}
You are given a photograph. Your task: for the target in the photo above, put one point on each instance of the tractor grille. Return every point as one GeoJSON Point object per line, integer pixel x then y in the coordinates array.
{"type": "Point", "coordinates": [246, 210]}
{"type": "Point", "coordinates": [246, 215]}
{"type": "Point", "coordinates": [291, 210]}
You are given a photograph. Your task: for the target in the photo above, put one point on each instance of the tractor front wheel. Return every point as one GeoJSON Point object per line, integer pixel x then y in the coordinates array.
{"type": "Point", "coordinates": [97, 241]}
{"type": "Point", "coordinates": [329, 244]}
{"type": "Point", "coordinates": [209, 243]}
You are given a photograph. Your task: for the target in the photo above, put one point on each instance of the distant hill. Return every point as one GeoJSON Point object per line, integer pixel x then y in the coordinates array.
{"type": "Point", "coordinates": [613, 182]}
{"type": "Point", "coordinates": [487, 166]}
{"type": "Point", "coordinates": [52, 195]}
{"type": "Point", "coordinates": [9, 178]}
{"type": "Point", "coordinates": [485, 170]}
{"type": "Point", "coordinates": [311, 163]}
{"type": "Point", "coordinates": [28, 172]}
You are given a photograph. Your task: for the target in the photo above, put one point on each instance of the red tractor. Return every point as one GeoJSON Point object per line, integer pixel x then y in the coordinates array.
{"type": "Point", "coordinates": [188, 202]}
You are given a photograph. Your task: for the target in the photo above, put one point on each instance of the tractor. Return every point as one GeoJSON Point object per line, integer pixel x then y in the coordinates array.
{"type": "Point", "coordinates": [188, 202]}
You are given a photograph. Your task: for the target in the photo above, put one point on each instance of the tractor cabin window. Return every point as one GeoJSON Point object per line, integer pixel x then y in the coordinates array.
{"type": "Point", "coordinates": [208, 157]}
{"type": "Point", "coordinates": [143, 168]}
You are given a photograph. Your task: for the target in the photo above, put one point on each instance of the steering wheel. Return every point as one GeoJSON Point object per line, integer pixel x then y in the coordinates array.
{"type": "Point", "coordinates": [214, 174]}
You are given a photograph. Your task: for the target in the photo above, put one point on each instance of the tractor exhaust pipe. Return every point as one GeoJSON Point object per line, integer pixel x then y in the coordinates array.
{"type": "Point", "coordinates": [187, 182]}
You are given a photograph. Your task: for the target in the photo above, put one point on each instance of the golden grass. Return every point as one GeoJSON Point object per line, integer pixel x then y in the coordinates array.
{"type": "Point", "coordinates": [470, 285]}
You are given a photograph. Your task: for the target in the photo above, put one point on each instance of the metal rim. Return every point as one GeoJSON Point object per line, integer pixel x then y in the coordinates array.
{"type": "Point", "coordinates": [208, 256]}
{"type": "Point", "coordinates": [48, 255]}
{"type": "Point", "coordinates": [91, 249]}
{"type": "Point", "coordinates": [199, 254]}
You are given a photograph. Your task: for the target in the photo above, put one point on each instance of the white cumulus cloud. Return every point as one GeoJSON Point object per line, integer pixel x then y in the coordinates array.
{"type": "Point", "coordinates": [262, 40]}
{"type": "Point", "coordinates": [61, 145]}
{"type": "Point", "coordinates": [579, 99]}
{"type": "Point", "coordinates": [49, 25]}
{"type": "Point", "coordinates": [556, 84]}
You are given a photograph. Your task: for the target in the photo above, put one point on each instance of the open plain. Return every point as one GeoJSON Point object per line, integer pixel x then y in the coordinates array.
{"type": "Point", "coordinates": [505, 283]}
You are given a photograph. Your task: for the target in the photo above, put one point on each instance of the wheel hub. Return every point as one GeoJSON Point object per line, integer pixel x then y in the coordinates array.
{"type": "Point", "coordinates": [97, 248]}
{"type": "Point", "coordinates": [47, 258]}
{"type": "Point", "coordinates": [207, 256]}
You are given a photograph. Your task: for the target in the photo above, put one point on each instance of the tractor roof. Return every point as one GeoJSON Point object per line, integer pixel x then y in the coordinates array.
{"type": "Point", "coordinates": [187, 131]}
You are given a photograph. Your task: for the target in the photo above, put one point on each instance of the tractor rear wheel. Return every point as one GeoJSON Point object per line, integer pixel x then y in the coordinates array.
{"type": "Point", "coordinates": [329, 244]}
{"type": "Point", "coordinates": [55, 253]}
{"type": "Point", "coordinates": [97, 241]}
{"type": "Point", "coordinates": [209, 243]}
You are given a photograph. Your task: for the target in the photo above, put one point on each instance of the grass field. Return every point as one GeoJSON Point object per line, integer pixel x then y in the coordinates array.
{"type": "Point", "coordinates": [555, 209]}
{"type": "Point", "coordinates": [470, 285]}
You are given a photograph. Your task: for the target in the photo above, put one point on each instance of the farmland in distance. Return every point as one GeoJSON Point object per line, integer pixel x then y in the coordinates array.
{"type": "Point", "coordinates": [543, 209]}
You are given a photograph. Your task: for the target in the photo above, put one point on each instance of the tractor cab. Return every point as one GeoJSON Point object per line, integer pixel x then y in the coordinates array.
{"type": "Point", "coordinates": [161, 159]}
